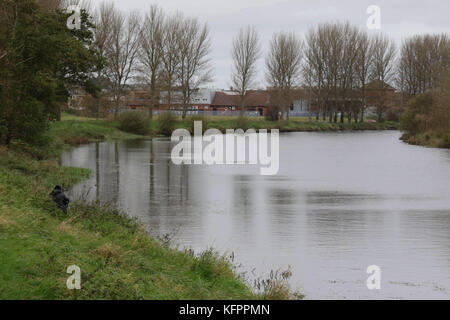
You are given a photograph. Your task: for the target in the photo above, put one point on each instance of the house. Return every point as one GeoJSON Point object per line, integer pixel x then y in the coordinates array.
{"type": "Point", "coordinates": [224, 103]}
{"type": "Point", "coordinates": [380, 93]}
{"type": "Point", "coordinates": [200, 100]}
{"type": "Point", "coordinates": [299, 108]}
{"type": "Point", "coordinates": [228, 103]}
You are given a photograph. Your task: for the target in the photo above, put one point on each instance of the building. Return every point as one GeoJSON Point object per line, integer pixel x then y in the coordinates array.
{"type": "Point", "coordinates": [200, 100]}
{"type": "Point", "coordinates": [379, 93]}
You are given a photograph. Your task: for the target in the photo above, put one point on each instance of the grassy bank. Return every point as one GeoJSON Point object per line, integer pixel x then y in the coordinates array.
{"type": "Point", "coordinates": [75, 130]}
{"type": "Point", "coordinates": [428, 139]}
{"type": "Point", "coordinates": [303, 125]}
{"type": "Point", "coordinates": [293, 125]}
{"type": "Point", "coordinates": [118, 260]}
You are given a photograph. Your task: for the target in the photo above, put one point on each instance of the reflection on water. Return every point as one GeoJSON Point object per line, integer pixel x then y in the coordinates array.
{"type": "Point", "coordinates": [340, 202]}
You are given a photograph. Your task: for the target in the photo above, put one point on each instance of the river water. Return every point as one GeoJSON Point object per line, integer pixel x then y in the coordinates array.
{"type": "Point", "coordinates": [339, 203]}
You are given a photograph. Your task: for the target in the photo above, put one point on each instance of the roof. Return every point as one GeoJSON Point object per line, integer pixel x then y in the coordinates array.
{"type": "Point", "coordinates": [378, 84]}
{"type": "Point", "coordinates": [223, 99]}
{"type": "Point", "coordinates": [253, 99]}
{"type": "Point", "coordinates": [257, 99]}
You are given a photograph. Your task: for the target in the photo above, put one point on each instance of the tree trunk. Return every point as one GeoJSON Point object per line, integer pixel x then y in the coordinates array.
{"type": "Point", "coordinates": [152, 96]}
{"type": "Point", "coordinates": [8, 138]}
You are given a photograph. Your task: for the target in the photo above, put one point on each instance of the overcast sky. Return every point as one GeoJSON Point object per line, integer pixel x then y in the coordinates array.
{"type": "Point", "coordinates": [399, 19]}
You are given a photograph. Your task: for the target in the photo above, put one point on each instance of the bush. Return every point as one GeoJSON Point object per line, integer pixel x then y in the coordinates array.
{"type": "Point", "coordinates": [242, 123]}
{"type": "Point", "coordinates": [192, 119]}
{"type": "Point", "coordinates": [134, 122]}
{"type": "Point", "coordinates": [413, 119]}
{"type": "Point", "coordinates": [166, 123]}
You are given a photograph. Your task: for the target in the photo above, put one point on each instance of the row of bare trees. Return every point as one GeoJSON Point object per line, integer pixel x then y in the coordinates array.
{"type": "Point", "coordinates": [333, 64]}
{"type": "Point", "coordinates": [340, 60]}
{"type": "Point", "coordinates": [165, 52]}
{"type": "Point", "coordinates": [283, 67]}
{"type": "Point", "coordinates": [423, 60]}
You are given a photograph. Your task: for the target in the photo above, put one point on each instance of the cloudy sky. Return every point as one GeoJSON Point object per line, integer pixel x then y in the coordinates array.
{"type": "Point", "coordinates": [399, 19]}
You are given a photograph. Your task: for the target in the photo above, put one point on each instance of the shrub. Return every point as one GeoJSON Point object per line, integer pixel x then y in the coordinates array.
{"type": "Point", "coordinates": [134, 122]}
{"type": "Point", "coordinates": [242, 123]}
{"type": "Point", "coordinates": [166, 123]}
{"type": "Point", "coordinates": [276, 286]}
{"type": "Point", "coordinates": [192, 119]}
{"type": "Point", "coordinates": [413, 119]}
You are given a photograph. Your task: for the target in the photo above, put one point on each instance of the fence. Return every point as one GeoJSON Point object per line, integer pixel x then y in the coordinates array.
{"type": "Point", "coordinates": [227, 113]}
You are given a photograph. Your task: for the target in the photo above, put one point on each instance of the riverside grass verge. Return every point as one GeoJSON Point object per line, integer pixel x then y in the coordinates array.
{"type": "Point", "coordinates": [292, 125]}
{"type": "Point", "coordinates": [118, 260]}
{"type": "Point", "coordinates": [428, 139]}
{"type": "Point", "coordinates": [74, 130]}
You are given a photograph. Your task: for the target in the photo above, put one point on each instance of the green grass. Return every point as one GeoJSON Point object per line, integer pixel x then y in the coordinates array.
{"type": "Point", "coordinates": [74, 130]}
{"type": "Point", "coordinates": [293, 125]}
{"type": "Point", "coordinates": [428, 139]}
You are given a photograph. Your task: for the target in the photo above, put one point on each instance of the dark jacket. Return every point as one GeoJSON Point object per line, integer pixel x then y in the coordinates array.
{"type": "Point", "coordinates": [60, 198]}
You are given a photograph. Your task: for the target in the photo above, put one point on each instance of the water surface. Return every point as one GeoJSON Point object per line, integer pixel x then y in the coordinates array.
{"type": "Point", "coordinates": [340, 202]}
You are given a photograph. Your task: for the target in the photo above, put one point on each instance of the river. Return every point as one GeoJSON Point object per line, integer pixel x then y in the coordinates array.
{"type": "Point", "coordinates": [339, 203]}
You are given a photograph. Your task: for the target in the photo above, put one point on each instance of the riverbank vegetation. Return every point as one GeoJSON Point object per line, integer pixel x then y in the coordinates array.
{"type": "Point", "coordinates": [426, 120]}
{"type": "Point", "coordinates": [75, 130]}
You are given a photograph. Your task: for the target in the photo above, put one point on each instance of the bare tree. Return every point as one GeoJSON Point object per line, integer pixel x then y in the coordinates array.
{"type": "Point", "coordinates": [383, 70]}
{"type": "Point", "coordinates": [245, 52]}
{"type": "Point", "coordinates": [171, 58]}
{"type": "Point", "coordinates": [121, 52]}
{"type": "Point", "coordinates": [314, 71]}
{"type": "Point", "coordinates": [283, 66]}
{"type": "Point", "coordinates": [348, 65]}
{"type": "Point", "coordinates": [194, 48]}
{"type": "Point", "coordinates": [151, 50]}
{"type": "Point", "coordinates": [102, 40]}
{"type": "Point", "coordinates": [423, 60]}
{"type": "Point", "coordinates": [363, 65]}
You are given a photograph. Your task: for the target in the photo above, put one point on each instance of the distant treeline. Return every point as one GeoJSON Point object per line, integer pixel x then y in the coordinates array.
{"type": "Point", "coordinates": [335, 64]}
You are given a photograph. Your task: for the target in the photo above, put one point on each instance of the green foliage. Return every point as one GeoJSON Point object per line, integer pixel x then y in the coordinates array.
{"type": "Point", "coordinates": [134, 122]}
{"type": "Point", "coordinates": [413, 119]}
{"type": "Point", "coordinates": [43, 60]}
{"type": "Point", "coordinates": [166, 123]}
{"type": "Point", "coordinates": [242, 123]}
{"type": "Point", "coordinates": [75, 130]}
